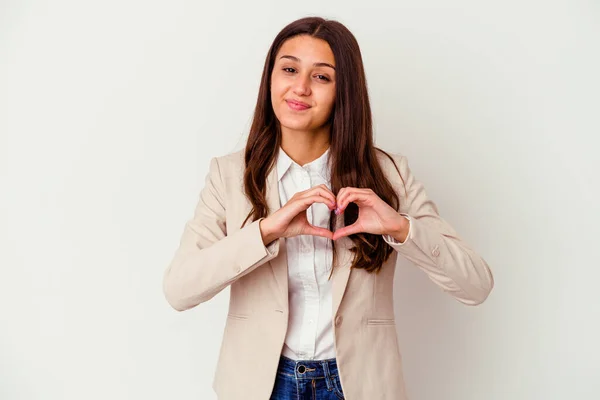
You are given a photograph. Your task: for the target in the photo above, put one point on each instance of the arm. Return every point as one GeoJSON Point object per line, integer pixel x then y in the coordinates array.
{"type": "Point", "coordinates": [434, 246]}
{"type": "Point", "coordinates": [208, 260]}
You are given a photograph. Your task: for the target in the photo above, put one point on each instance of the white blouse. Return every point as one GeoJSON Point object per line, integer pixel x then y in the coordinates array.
{"type": "Point", "coordinates": [310, 330]}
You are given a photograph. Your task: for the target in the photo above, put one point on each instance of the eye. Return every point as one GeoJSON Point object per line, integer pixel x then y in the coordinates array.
{"type": "Point", "coordinates": [289, 69]}
{"type": "Point", "coordinates": [323, 78]}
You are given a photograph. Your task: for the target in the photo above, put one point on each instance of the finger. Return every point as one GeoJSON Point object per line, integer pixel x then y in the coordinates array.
{"type": "Point", "coordinates": [329, 200]}
{"type": "Point", "coordinates": [322, 187]}
{"type": "Point", "coordinates": [316, 231]}
{"type": "Point", "coordinates": [344, 192]}
{"type": "Point", "coordinates": [325, 188]}
{"type": "Point", "coordinates": [359, 197]}
{"type": "Point", "coordinates": [323, 191]}
{"type": "Point", "coordinates": [340, 196]}
{"type": "Point", "coordinates": [303, 203]}
{"type": "Point", "coordinates": [346, 231]}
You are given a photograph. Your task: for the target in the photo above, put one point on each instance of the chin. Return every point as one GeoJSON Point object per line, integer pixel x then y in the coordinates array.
{"type": "Point", "coordinates": [296, 124]}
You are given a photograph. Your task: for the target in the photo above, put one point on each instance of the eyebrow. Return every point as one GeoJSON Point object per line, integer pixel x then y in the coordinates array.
{"type": "Point", "coordinates": [317, 64]}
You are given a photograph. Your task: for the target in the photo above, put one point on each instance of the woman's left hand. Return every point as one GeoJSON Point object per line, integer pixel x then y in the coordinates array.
{"type": "Point", "coordinates": [374, 215]}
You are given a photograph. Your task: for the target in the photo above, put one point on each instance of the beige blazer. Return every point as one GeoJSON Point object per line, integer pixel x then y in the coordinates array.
{"type": "Point", "coordinates": [215, 253]}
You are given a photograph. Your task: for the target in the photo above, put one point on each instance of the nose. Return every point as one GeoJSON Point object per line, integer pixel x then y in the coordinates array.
{"type": "Point", "coordinates": [302, 85]}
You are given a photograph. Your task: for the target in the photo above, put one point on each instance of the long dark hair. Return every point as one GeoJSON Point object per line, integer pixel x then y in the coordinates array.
{"type": "Point", "coordinates": [351, 135]}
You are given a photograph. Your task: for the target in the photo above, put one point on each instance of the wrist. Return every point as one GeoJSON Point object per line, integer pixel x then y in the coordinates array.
{"type": "Point", "coordinates": [401, 229]}
{"type": "Point", "coordinates": [266, 231]}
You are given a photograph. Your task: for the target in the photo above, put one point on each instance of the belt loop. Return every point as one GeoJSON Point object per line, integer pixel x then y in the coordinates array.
{"type": "Point", "coordinates": [325, 365]}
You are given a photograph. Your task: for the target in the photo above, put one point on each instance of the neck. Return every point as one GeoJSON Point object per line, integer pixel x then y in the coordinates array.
{"type": "Point", "coordinates": [304, 147]}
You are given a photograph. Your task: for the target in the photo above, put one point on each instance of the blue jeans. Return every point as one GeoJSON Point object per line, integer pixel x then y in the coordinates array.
{"type": "Point", "coordinates": [307, 380]}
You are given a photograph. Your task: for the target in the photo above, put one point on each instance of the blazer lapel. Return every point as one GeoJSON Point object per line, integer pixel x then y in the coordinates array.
{"type": "Point", "coordinates": [279, 264]}
{"type": "Point", "coordinates": [342, 271]}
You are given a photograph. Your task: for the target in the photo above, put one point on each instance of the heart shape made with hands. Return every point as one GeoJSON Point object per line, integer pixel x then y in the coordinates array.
{"type": "Point", "coordinates": [375, 216]}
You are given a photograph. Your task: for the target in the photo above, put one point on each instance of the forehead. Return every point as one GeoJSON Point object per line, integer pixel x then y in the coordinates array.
{"type": "Point", "coordinates": [307, 49]}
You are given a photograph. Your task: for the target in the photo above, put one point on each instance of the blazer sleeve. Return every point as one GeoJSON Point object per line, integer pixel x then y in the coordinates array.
{"type": "Point", "coordinates": [208, 259]}
{"type": "Point", "coordinates": [435, 247]}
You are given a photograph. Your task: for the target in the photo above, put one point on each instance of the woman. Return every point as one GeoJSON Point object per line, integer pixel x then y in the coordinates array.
{"type": "Point", "coordinates": [305, 225]}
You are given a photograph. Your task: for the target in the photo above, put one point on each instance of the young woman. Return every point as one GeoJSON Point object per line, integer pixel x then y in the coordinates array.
{"type": "Point", "coordinates": [305, 225]}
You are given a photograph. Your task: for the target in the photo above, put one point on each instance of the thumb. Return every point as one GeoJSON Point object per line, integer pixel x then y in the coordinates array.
{"type": "Point", "coordinates": [346, 231]}
{"type": "Point", "coordinates": [317, 231]}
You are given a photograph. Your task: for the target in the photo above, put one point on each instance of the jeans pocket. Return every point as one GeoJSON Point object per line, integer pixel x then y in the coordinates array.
{"type": "Point", "coordinates": [337, 387]}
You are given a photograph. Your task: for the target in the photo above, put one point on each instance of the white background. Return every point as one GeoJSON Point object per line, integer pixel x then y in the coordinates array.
{"type": "Point", "coordinates": [111, 110]}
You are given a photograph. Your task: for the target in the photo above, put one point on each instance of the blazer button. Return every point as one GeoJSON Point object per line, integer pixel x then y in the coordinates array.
{"type": "Point", "coordinates": [435, 251]}
{"type": "Point", "coordinates": [338, 320]}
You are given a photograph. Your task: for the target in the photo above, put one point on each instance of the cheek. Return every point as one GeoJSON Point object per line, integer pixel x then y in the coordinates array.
{"type": "Point", "coordinates": [278, 86]}
{"type": "Point", "coordinates": [274, 90]}
{"type": "Point", "coordinates": [327, 99]}
{"type": "Point", "coordinates": [277, 96]}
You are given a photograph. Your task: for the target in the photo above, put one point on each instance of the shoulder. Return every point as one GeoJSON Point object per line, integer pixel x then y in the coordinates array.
{"type": "Point", "coordinates": [229, 165]}
{"type": "Point", "coordinates": [392, 163]}
{"type": "Point", "coordinates": [395, 168]}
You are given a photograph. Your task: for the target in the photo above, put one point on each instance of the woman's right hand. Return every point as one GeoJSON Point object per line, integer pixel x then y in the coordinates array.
{"type": "Point", "coordinates": [290, 220]}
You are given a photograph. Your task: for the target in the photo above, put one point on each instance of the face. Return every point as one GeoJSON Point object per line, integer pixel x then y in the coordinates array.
{"type": "Point", "coordinates": [303, 84]}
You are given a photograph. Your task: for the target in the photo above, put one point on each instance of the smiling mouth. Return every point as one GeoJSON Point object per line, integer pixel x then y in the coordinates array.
{"type": "Point", "coordinates": [297, 106]}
